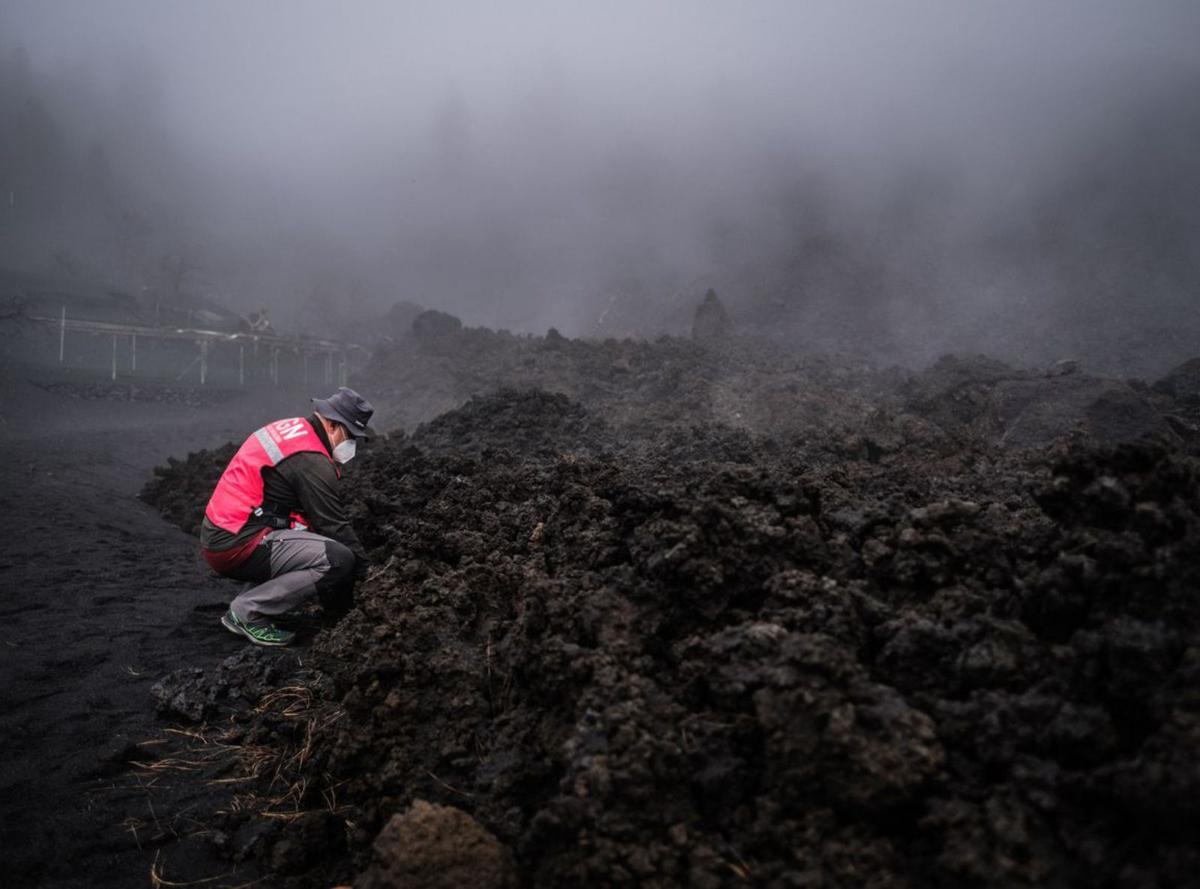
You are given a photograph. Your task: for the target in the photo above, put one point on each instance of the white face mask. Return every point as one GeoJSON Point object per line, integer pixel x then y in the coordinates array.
{"type": "Point", "coordinates": [344, 452]}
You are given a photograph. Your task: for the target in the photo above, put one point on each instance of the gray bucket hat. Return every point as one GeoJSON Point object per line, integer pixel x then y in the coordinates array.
{"type": "Point", "coordinates": [347, 407]}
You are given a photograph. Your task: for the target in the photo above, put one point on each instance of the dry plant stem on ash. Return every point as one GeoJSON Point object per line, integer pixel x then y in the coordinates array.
{"type": "Point", "coordinates": [280, 766]}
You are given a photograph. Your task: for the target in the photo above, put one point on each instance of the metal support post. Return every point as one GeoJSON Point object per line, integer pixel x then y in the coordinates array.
{"type": "Point", "coordinates": [114, 357]}
{"type": "Point", "coordinates": [203, 362]}
{"type": "Point", "coordinates": [62, 335]}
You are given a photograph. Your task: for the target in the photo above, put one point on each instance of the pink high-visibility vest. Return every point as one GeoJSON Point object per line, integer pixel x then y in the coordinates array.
{"type": "Point", "coordinates": [240, 491]}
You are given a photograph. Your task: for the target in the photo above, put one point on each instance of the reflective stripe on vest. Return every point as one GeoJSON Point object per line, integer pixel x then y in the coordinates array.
{"type": "Point", "coordinates": [240, 490]}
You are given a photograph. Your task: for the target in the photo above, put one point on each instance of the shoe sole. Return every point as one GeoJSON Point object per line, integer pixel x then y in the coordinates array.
{"type": "Point", "coordinates": [236, 630]}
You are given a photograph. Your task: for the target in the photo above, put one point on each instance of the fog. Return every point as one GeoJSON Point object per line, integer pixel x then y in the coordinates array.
{"type": "Point", "coordinates": [891, 178]}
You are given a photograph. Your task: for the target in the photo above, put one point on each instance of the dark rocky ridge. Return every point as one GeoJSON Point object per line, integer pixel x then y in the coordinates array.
{"type": "Point", "coordinates": [871, 647]}
{"type": "Point", "coordinates": [767, 391]}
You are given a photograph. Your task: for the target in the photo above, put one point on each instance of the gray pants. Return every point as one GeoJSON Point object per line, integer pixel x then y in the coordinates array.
{"type": "Point", "coordinates": [290, 567]}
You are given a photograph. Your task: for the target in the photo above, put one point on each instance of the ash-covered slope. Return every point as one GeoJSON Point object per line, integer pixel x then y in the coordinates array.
{"type": "Point", "coordinates": [928, 662]}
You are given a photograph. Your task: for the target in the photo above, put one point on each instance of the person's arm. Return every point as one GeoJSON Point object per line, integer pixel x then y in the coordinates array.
{"type": "Point", "coordinates": [315, 482]}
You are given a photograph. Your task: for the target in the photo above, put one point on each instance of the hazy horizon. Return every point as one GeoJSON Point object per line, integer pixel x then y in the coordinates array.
{"type": "Point", "coordinates": [905, 175]}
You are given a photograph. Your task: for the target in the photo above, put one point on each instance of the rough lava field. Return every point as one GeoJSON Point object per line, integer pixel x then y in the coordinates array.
{"type": "Point", "coordinates": [707, 613]}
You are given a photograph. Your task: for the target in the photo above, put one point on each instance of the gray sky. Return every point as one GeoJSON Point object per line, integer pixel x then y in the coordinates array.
{"type": "Point", "coordinates": [517, 153]}
{"type": "Point", "coordinates": [316, 83]}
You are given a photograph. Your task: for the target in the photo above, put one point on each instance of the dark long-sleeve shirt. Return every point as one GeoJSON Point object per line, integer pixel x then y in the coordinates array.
{"type": "Point", "coordinates": [306, 483]}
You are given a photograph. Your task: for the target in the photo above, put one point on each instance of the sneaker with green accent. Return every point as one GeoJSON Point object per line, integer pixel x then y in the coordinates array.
{"type": "Point", "coordinates": [268, 634]}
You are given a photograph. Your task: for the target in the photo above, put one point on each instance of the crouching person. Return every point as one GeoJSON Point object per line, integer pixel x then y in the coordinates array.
{"type": "Point", "coordinates": [277, 521]}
